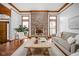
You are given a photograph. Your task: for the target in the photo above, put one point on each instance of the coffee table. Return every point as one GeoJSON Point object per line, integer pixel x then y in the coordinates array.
{"type": "Point", "coordinates": [41, 47]}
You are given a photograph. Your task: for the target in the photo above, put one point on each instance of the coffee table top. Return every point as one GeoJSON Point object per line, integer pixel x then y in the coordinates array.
{"type": "Point", "coordinates": [40, 44]}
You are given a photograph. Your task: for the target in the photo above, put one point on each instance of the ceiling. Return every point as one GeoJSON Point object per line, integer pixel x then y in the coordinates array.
{"type": "Point", "coordinates": [38, 6]}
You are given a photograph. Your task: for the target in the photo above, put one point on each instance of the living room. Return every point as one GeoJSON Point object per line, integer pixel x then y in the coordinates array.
{"type": "Point", "coordinates": [54, 24]}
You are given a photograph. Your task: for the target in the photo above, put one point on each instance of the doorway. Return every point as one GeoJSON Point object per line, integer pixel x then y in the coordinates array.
{"type": "Point", "coordinates": [3, 31]}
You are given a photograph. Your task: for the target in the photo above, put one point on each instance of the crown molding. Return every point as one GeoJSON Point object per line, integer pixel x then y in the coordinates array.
{"type": "Point", "coordinates": [39, 10]}
{"type": "Point", "coordinates": [14, 7]}
{"type": "Point", "coordinates": [68, 5]}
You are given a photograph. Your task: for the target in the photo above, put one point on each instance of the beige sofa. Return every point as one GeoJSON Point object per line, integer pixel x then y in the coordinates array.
{"type": "Point", "coordinates": [63, 45]}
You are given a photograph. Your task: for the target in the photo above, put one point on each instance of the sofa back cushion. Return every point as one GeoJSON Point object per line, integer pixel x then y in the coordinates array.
{"type": "Point", "coordinates": [66, 35]}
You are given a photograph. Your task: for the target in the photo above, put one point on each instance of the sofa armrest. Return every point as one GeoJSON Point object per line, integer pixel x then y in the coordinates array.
{"type": "Point", "coordinates": [73, 48]}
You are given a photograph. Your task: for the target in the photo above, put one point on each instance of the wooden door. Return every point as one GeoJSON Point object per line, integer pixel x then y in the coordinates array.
{"type": "Point", "coordinates": [3, 32]}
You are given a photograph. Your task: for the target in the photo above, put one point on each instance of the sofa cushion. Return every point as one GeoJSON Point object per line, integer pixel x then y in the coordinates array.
{"type": "Point", "coordinates": [77, 39]}
{"type": "Point", "coordinates": [63, 43]}
{"type": "Point", "coordinates": [64, 50]}
{"type": "Point", "coordinates": [71, 40]}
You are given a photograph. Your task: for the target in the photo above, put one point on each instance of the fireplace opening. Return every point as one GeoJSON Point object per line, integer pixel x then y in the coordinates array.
{"type": "Point", "coordinates": [39, 31]}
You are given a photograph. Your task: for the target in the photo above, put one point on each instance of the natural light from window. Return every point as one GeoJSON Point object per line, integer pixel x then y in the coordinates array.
{"type": "Point", "coordinates": [25, 17]}
{"type": "Point", "coordinates": [52, 25]}
{"type": "Point", "coordinates": [25, 21]}
{"type": "Point", "coordinates": [52, 17]}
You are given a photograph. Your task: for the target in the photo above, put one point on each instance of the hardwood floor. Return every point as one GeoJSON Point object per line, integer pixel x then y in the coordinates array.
{"type": "Point", "coordinates": [8, 48]}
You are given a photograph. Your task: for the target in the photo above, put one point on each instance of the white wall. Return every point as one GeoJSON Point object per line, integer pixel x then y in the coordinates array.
{"type": "Point", "coordinates": [15, 21]}
{"type": "Point", "coordinates": [3, 16]}
{"type": "Point", "coordinates": [63, 18]}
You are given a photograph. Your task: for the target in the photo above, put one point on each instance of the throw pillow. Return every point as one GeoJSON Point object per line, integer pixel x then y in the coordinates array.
{"type": "Point", "coordinates": [71, 40]}
{"type": "Point", "coordinates": [77, 39]}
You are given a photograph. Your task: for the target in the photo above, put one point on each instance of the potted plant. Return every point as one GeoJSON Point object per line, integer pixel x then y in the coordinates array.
{"type": "Point", "coordinates": [22, 29]}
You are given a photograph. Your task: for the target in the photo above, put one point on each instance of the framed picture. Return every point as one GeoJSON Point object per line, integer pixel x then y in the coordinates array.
{"type": "Point", "coordinates": [74, 22]}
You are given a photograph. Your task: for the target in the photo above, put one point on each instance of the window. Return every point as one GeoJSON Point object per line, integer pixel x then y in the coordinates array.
{"type": "Point", "coordinates": [53, 17]}
{"type": "Point", "coordinates": [52, 25]}
{"type": "Point", "coordinates": [24, 18]}
{"type": "Point", "coordinates": [25, 21]}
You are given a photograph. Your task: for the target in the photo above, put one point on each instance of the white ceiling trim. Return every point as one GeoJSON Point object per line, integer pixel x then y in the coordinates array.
{"type": "Point", "coordinates": [38, 6]}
